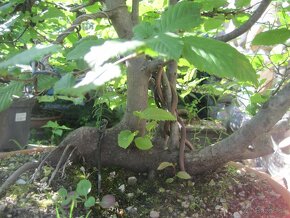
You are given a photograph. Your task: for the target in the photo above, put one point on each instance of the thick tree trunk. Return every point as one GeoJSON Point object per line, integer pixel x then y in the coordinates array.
{"type": "Point", "coordinates": [235, 147]}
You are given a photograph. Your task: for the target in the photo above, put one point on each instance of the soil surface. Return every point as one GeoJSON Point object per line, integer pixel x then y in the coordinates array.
{"type": "Point", "coordinates": [227, 192]}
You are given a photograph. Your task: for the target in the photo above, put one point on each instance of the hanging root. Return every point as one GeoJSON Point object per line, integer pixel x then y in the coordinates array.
{"type": "Point", "coordinates": [64, 154]}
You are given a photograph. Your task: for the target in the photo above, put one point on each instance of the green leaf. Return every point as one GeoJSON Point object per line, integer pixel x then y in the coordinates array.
{"type": "Point", "coordinates": [90, 202]}
{"type": "Point", "coordinates": [164, 165]}
{"type": "Point", "coordinates": [168, 45]}
{"type": "Point", "coordinates": [209, 5]}
{"type": "Point", "coordinates": [29, 55]}
{"type": "Point", "coordinates": [144, 30]}
{"type": "Point", "coordinates": [272, 37]}
{"type": "Point", "coordinates": [213, 23]}
{"type": "Point", "coordinates": [100, 75]}
{"type": "Point", "coordinates": [151, 125]}
{"type": "Point", "coordinates": [169, 180]}
{"type": "Point", "coordinates": [83, 47]}
{"type": "Point", "coordinates": [98, 55]}
{"type": "Point", "coordinates": [84, 187]}
{"type": "Point", "coordinates": [45, 82]}
{"type": "Point", "coordinates": [181, 16]}
{"type": "Point", "coordinates": [143, 143]}
{"type": "Point", "coordinates": [183, 175]}
{"type": "Point", "coordinates": [8, 91]}
{"type": "Point", "coordinates": [67, 81]}
{"type": "Point", "coordinates": [218, 58]}
{"type": "Point", "coordinates": [155, 114]}
{"type": "Point", "coordinates": [52, 12]}
{"type": "Point", "coordinates": [125, 138]}
{"type": "Point", "coordinates": [242, 3]}
{"type": "Point", "coordinates": [57, 132]}
{"type": "Point", "coordinates": [62, 192]}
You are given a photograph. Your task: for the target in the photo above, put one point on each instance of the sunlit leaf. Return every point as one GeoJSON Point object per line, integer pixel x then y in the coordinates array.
{"type": "Point", "coordinates": [84, 187]}
{"type": "Point", "coordinates": [272, 37]}
{"type": "Point", "coordinates": [98, 55]}
{"type": "Point", "coordinates": [164, 165]}
{"type": "Point", "coordinates": [83, 47]}
{"type": "Point", "coordinates": [143, 143]}
{"type": "Point", "coordinates": [218, 58]}
{"type": "Point", "coordinates": [125, 138]}
{"type": "Point", "coordinates": [183, 175]}
{"type": "Point", "coordinates": [29, 55]}
{"type": "Point", "coordinates": [8, 91]}
{"type": "Point", "coordinates": [155, 114]}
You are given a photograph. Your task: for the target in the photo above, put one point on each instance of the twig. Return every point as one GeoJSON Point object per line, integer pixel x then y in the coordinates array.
{"type": "Point", "coordinates": [78, 21]}
{"type": "Point", "coordinates": [182, 143]}
{"type": "Point", "coordinates": [246, 26]}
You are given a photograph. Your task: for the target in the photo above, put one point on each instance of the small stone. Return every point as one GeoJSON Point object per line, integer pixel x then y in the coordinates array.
{"type": "Point", "coordinates": [185, 204]}
{"type": "Point", "coordinates": [242, 194]}
{"type": "Point", "coordinates": [218, 207]}
{"type": "Point", "coordinates": [20, 182]}
{"type": "Point", "coordinates": [122, 188]}
{"type": "Point", "coordinates": [237, 215]}
{"type": "Point", "coordinates": [222, 200]}
{"type": "Point", "coordinates": [9, 215]}
{"type": "Point", "coordinates": [131, 210]}
{"type": "Point", "coordinates": [212, 183]}
{"type": "Point", "coordinates": [154, 214]}
{"type": "Point", "coordinates": [130, 195]}
{"type": "Point", "coordinates": [132, 180]}
{"type": "Point", "coordinates": [44, 179]}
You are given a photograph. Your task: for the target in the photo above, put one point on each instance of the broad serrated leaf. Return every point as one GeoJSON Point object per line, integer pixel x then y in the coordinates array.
{"type": "Point", "coordinates": [218, 58]}
{"type": "Point", "coordinates": [7, 92]}
{"type": "Point", "coordinates": [164, 165]}
{"type": "Point", "coordinates": [52, 12]}
{"type": "Point", "coordinates": [29, 55]}
{"type": "Point", "coordinates": [83, 47]}
{"type": "Point", "coordinates": [183, 175]}
{"type": "Point", "coordinates": [143, 143]}
{"type": "Point", "coordinates": [209, 5]}
{"type": "Point", "coordinates": [272, 37]}
{"type": "Point", "coordinates": [98, 55]}
{"type": "Point", "coordinates": [144, 30]}
{"type": "Point", "coordinates": [66, 82]}
{"type": "Point", "coordinates": [181, 16]}
{"type": "Point", "coordinates": [125, 138]}
{"type": "Point", "coordinates": [45, 82]}
{"type": "Point", "coordinates": [155, 114]}
{"type": "Point", "coordinates": [242, 3]}
{"type": "Point", "coordinates": [168, 45]}
{"type": "Point", "coordinates": [213, 23]}
{"type": "Point", "coordinates": [84, 187]}
{"type": "Point", "coordinates": [100, 75]}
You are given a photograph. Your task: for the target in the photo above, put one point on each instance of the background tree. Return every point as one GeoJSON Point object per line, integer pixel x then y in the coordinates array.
{"type": "Point", "coordinates": [145, 42]}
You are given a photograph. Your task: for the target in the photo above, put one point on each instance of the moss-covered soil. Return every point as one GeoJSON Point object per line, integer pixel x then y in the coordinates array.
{"type": "Point", "coordinates": [227, 192]}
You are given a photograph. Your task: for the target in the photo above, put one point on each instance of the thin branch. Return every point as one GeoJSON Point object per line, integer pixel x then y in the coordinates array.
{"type": "Point", "coordinates": [246, 26]}
{"type": "Point", "coordinates": [135, 12]}
{"type": "Point", "coordinates": [78, 21]}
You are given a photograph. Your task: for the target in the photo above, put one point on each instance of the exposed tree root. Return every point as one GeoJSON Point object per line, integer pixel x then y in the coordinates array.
{"type": "Point", "coordinates": [13, 177]}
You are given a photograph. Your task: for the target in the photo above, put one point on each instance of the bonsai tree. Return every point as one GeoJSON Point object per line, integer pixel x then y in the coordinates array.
{"type": "Point", "coordinates": [144, 43]}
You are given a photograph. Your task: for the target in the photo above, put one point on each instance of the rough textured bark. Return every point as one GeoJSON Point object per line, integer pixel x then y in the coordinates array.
{"type": "Point", "coordinates": [235, 147]}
